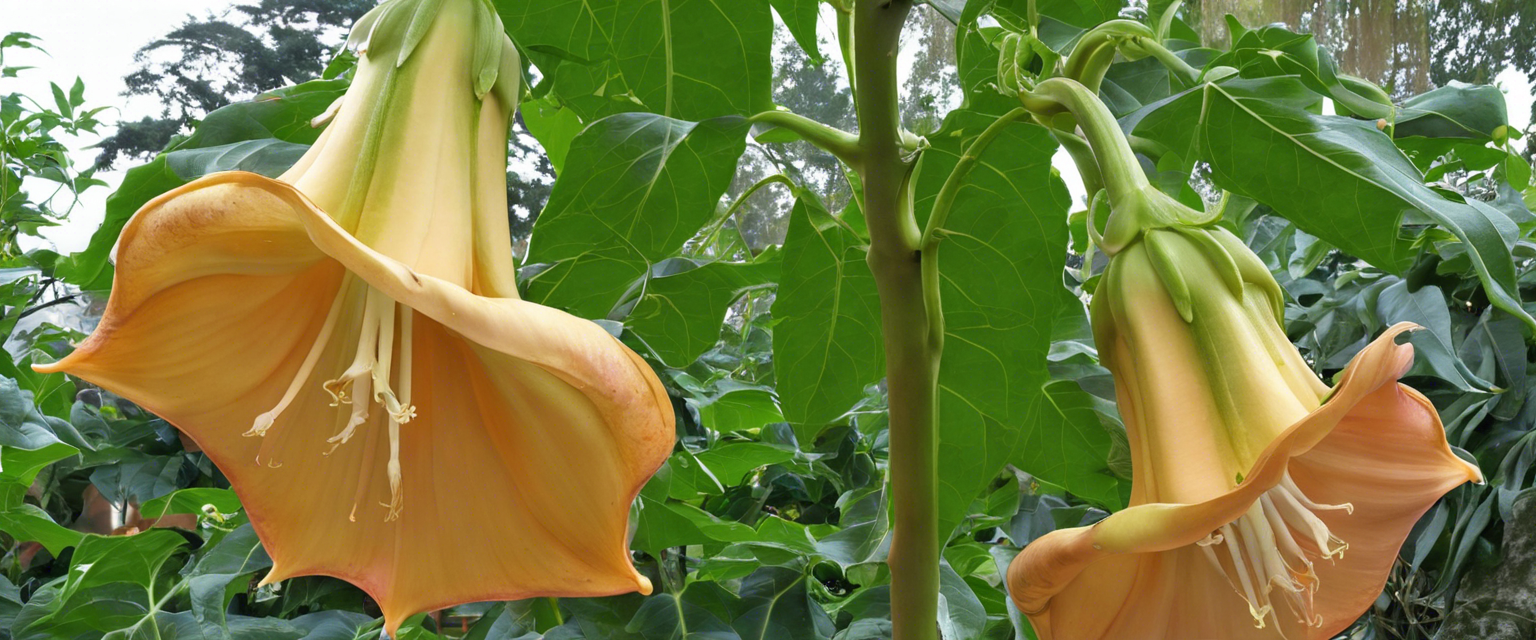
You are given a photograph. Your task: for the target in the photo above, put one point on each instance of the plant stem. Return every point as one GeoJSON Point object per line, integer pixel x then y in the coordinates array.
{"type": "Point", "coordinates": [946, 198]}
{"type": "Point", "coordinates": [832, 140]}
{"type": "Point", "coordinates": [717, 225]}
{"type": "Point", "coordinates": [911, 321]}
{"type": "Point", "coordinates": [1118, 166]}
{"type": "Point", "coordinates": [1094, 52]}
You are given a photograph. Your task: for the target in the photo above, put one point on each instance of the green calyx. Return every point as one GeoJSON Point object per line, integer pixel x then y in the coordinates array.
{"type": "Point", "coordinates": [1193, 262]}
{"type": "Point", "coordinates": [1192, 256]}
{"type": "Point", "coordinates": [396, 27]}
{"type": "Point", "coordinates": [1140, 208]}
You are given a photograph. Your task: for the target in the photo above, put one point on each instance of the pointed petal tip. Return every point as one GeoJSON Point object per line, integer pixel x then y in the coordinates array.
{"type": "Point", "coordinates": [274, 575]}
{"type": "Point", "coordinates": [643, 585]}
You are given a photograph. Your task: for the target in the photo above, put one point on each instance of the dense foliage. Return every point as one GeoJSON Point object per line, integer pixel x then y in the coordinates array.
{"type": "Point", "coordinates": [772, 518]}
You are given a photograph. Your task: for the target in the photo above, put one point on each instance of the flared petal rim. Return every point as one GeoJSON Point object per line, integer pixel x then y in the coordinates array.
{"type": "Point", "coordinates": [1049, 564]}
{"type": "Point", "coordinates": [231, 227]}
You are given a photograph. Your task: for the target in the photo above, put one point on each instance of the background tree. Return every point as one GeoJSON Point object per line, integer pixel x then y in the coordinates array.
{"type": "Point", "coordinates": [207, 63]}
{"type": "Point", "coordinates": [210, 62]}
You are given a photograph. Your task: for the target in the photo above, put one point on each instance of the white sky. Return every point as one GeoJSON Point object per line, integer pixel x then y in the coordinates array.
{"type": "Point", "coordinates": [95, 40]}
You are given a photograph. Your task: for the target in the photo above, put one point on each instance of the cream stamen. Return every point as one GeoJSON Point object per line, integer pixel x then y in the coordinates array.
{"type": "Point", "coordinates": [265, 421]}
{"type": "Point", "coordinates": [1266, 556]}
{"type": "Point", "coordinates": [365, 381]}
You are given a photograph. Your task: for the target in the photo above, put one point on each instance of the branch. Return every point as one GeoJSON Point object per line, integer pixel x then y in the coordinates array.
{"type": "Point", "coordinates": [946, 198]}
{"type": "Point", "coordinates": [843, 145]}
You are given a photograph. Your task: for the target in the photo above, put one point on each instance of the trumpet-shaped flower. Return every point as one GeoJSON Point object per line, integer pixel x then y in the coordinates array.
{"type": "Point", "coordinates": [346, 343]}
{"type": "Point", "coordinates": [1264, 504]}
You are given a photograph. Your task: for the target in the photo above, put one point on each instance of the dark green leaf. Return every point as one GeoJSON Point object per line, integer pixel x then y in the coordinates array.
{"type": "Point", "coordinates": [679, 316]}
{"type": "Point", "coordinates": [779, 607]}
{"type": "Point", "coordinates": [960, 612]}
{"type": "Point", "coordinates": [1342, 180]}
{"type": "Point", "coordinates": [1457, 110]}
{"type": "Point", "coordinates": [687, 616]}
{"type": "Point", "coordinates": [1434, 350]}
{"type": "Point", "coordinates": [134, 560]}
{"type": "Point", "coordinates": [635, 188]}
{"type": "Point", "coordinates": [28, 439]}
{"type": "Point", "coordinates": [237, 554]}
{"type": "Point", "coordinates": [826, 344]}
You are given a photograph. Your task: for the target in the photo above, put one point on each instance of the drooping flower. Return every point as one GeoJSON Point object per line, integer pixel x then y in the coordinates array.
{"type": "Point", "coordinates": [1265, 505]}
{"type": "Point", "coordinates": [347, 344]}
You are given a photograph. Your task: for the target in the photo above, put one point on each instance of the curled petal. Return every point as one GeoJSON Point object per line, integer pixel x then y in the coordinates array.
{"type": "Point", "coordinates": [528, 435]}
{"type": "Point", "coordinates": [1374, 444]}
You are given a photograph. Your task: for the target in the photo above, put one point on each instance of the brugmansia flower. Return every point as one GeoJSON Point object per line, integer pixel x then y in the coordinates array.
{"type": "Point", "coordinates": [1264, 504]}
{"type": "Point", "coordinates": [347, 344]}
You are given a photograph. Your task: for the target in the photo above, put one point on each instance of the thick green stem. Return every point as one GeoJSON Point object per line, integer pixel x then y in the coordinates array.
{"type": "Point", "coordinates": [1135, 205]}
{"type": "Point", "coordinates": [1082, 157]}
{"type": "Point", "coordinates": [1118, 167]}
{"type": "Point", "coordinates": [1094, 52]}
{"type": "Point", "coordinates": [1175, 65]}
{"type": "Point", "coordinates": [832, 140]}
{"type": "Point", "coordinates": [911, 321]}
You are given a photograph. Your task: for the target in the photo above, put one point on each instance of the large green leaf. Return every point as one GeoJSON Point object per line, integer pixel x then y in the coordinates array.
{"type": "Point", "coordinates": [826, 345]}
{"type": "Point", "coordinates": [636, 186]}
{"type": "Point", "coordinates": [779, 607]}
{"type": "Point", "coordinates": [103, 610]}
{"type": "Point", "coordinates": [1000, 267]}
{"type": "Point", "coordinates": [134, 560]}
{"type": "Point", "coordinates": [700, 612]}
{"type": "Point", "coordinates": [1173, 121]}
{"type": "Point", "coordinates": [689, 59]}
{"type": "Point", "coordinates": [1456, 110]}
{"type": "Point", "coordinates": [680, 315]}
{"type": "Point", "coordinates": [28, 523]}
{"type": "Point", "coordinates": [28, 442]}
{"type": "Point", "coordinates": [1342, 180]}
{"type": "Point", "coordinates": [1274, 51]}
{"type": "Point", "coordinates": [266, 135]}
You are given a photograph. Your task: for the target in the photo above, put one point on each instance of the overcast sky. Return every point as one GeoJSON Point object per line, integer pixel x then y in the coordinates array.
{"type": "Point", "coordinates": [95, 40]}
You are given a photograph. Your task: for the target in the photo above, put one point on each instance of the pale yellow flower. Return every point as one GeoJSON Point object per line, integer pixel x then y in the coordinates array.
{"type": "Point", "coordinates": [1264, 504]}
{"type": "Point", "coordinates": [346, 343]}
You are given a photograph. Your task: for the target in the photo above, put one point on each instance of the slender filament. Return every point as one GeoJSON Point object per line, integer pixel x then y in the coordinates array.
{"type": "Point", "coordinates": [1270, 552]}
{"type": "Point", "coordinates": [367, 380]}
